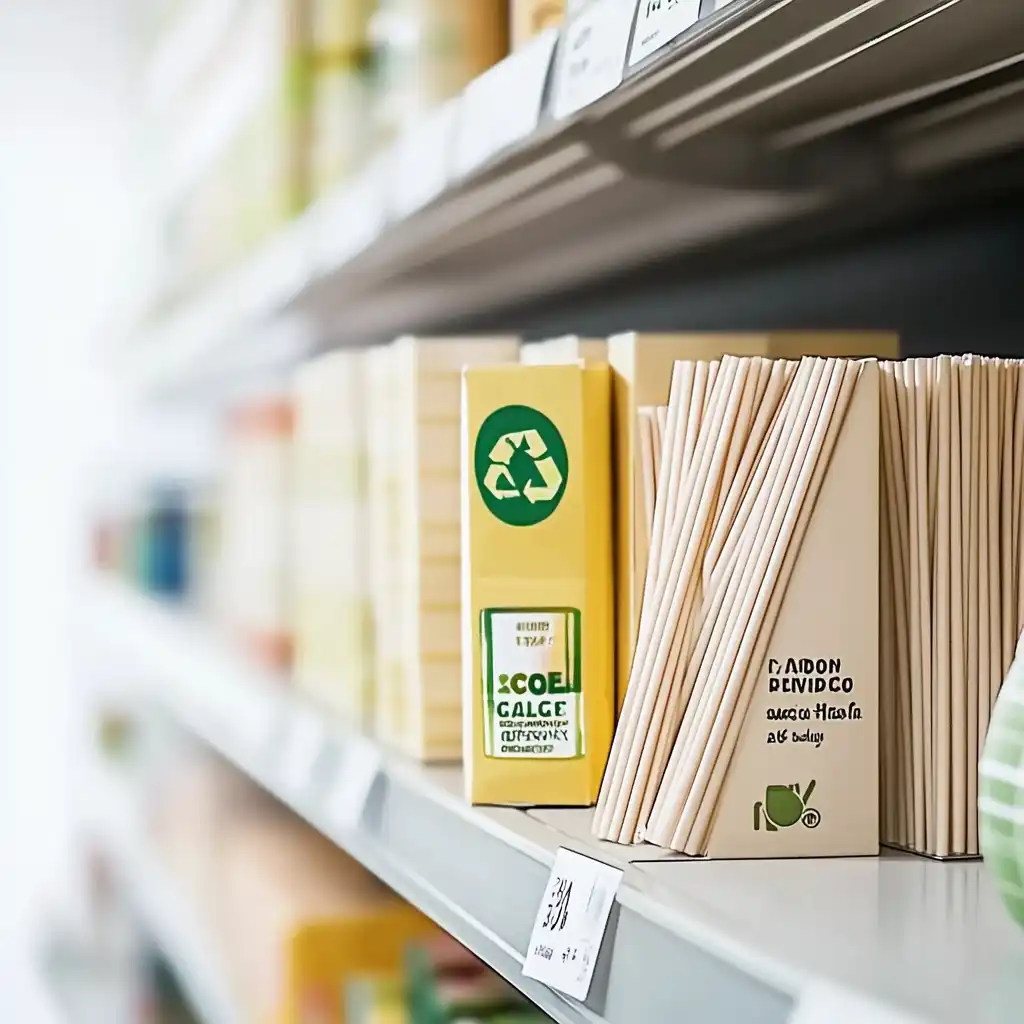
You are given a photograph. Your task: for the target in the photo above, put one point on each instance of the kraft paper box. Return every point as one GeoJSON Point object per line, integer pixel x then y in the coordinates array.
{"type": "Point", "coordinates": [538, 661]}
{"type": "Point", "coordinates": [642, 376]}
{"type": "Point", "coordinates": [804, 778]}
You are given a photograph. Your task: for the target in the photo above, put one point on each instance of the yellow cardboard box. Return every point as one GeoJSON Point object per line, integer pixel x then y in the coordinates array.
{"type": "Point", "coordinates": [538, 658]}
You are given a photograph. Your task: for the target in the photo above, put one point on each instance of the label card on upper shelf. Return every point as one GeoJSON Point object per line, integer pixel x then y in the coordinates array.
{"type": "Point", "coordinates": [503, 105]}
{"type": "Point", "coordinates": [423, 159]}
{"type": "Point", "coordinates": [303, 746]}
{"type": "Point", "coordinates": [592, 58]}
{"type": "Point", "coordinates": [571, 923]}
{"type": "Point", "coordinates": [360, 766]}
{"type": "Point", "coordinates": [659, 22]}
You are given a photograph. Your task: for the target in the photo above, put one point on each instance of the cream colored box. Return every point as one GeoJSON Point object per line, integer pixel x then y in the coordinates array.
{"type": "Point", "coordinates": [333, 657]}
{"type": "Point", "coordinates": [253, 591]}
{"type": "Point", "coordinates": [417, 618]}
{"type": "Point", "coordinates": [566, 349]}
{"type": "Point", "coordinates": [641, 376]}
{"type": "Point", "coordinates": [538, 661]}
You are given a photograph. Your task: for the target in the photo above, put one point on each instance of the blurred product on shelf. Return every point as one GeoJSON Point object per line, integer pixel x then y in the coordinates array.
{"type": "Point", "coordinates": [445, 983]}
{"type": "Point", "coordinates": [537, 583]}
{"type": "Point", "coordinates": [531, 17]}
{"type": "Point", "coordinates": [641, 378]}
{"type": "Point", "coordinates": [1001, 786]}
{"type": "Point", "coordinates": [567, 349]}
{"type": "Point", "coordinates": [291, 101]}
{"type": "Point", "coordinates": [416, 509]}
{"type": "Point", "coordinates": [303, 931]}
{"type": "Point", "coordinates": [330, 563]}
{"type": "Point", "coordinates": [287, 92]}
{"type": "Point", "coordinates": [432, 49]}
{"type": "Point", "coordinates": [754, 687]}
{"type": "Point", "coordinates": [147, 539]}
{"type": "Point", "coordinates": [952, 588]}
{"type": "Point", "coordinates": [253, 573]}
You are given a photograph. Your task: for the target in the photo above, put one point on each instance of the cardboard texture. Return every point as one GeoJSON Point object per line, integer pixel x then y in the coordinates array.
{"type": "Point", "coordinates": [642, 372]}
{"type": "Point", "coordinates": [951, 585]}
{"type": "Point", "coordinates": [739, 641]}
{"type": "Point", "coordinates": [538, 673]}
{"type": "Point", "coordinates": [417, 618]}
{"type": "Point", "coordinates": [333, 655]}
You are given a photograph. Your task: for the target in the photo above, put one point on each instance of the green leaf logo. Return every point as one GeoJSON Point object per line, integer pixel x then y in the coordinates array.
{"type": "Point", "coordinates": [521, 465]}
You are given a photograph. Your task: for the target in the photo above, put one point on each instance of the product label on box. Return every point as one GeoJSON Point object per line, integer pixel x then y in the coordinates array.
{"type": "Point", "coordinates": [533, 700]}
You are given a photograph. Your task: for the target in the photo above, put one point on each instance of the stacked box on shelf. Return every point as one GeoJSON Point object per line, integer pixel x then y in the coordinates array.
{"type": "Point", "coordinates": [415, 511]}
{"type": "Point", "coordinates": [750, 727]}
{"type": "Point", "coordinates": [300, 919]}
{"type": "Point", "coordinates": [538, 609]}
{"type": "Point", "coordinates": [253, 580]}
{"type": "Point", "coordinates": [641, 378]}
{"type": "Point", "coordinates": [330, 567]}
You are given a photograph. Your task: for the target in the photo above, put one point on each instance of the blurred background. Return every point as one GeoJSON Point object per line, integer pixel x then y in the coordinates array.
{"type": "Point", "coordinates": [201, 199]}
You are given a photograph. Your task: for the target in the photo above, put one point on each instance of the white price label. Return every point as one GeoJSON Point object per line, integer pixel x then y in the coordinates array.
{"type": "Point", "coordinates": [571, 923]}
{"type": "Point", "coordinates": [304, 742]}
{"type": "Point", "coordinates": [592, 59]}
{"type": "Point", "coordinates": [503, 105]}
{"type": "Point", "coordinates": [423, 159]}
{"type": "Point", "coordinates": [659, 22]}
{"type": "Point", "coordinates": [360, 766]}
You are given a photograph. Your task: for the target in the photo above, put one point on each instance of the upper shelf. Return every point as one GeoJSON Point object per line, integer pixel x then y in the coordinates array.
{"type": "Point", "coordinates": [570, 161]}
{"type": "Point", "coordinates": [889, 940]}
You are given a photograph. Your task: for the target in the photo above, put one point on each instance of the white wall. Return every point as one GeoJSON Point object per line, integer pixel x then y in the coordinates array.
{"type": "Point", "coordinates": [65, 222]}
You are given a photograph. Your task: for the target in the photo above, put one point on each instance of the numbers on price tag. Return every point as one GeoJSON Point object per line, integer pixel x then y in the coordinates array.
{"type": "Point", "coordinates": [659, 22]}
{"type": "Point", "coordinates": [592, 59]}
{"type": "Point", "coordinates": [571, 923]}
{"type": "Point", "coordinates": [360, 766]}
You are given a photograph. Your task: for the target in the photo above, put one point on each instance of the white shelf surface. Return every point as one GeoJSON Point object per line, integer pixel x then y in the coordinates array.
{"type": "Point", "coordinates": [170, 922]}
{"type": "Point", "coordinates": [886, 940]}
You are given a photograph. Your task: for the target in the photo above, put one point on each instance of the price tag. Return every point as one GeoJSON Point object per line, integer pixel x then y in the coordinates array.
{"type": "Point", "coordinates": [592, 58]}
{"type": "Point", "coordinates": [658, 22]}
{"type": "Point", "coordinates": [423, 159]}
{"type": "Point", "coordinates": [503, 105]}
{"type": "Point", "coordinates": [304, 743]}
{"type": "Point", "coordinates": [571, 923]}
{"type": "Point", "coordinates": [360, 766]}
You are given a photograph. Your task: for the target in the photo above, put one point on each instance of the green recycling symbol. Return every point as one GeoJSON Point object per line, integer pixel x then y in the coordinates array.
{"type": "Point", "coordinates": [521, 465]}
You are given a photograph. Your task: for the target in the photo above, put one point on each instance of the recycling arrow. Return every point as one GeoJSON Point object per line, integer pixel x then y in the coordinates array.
{"type": "Point", "coordinates": [498, 474]}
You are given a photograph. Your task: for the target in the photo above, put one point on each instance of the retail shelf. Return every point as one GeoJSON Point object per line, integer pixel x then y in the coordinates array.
{"type": "Point", "coordinates": [170, 922]}
{"type": "Point", "coordinates": [886, 940]}
{"type": "Point", "coordinates": [762, 116]}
